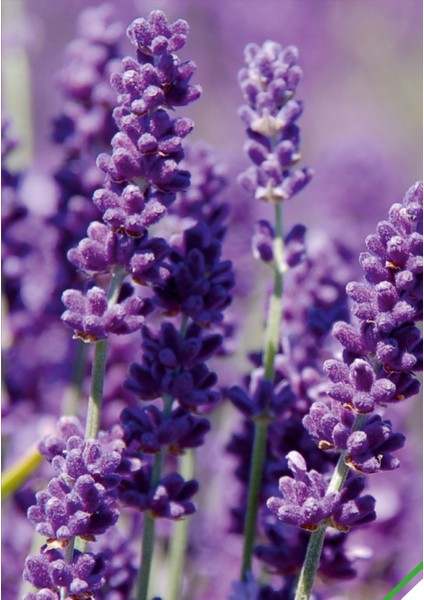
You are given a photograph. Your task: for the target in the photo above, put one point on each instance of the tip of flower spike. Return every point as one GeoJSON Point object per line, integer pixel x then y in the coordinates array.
{"type": "Point", "coordinates": [155, 36]}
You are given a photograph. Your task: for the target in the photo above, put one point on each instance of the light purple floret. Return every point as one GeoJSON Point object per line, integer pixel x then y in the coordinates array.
{"type": "Point", "coordinates": [50, 571]}
{"type": "Point", "coordinates": [367, 451]}
{"type": "Point", "coordinates": [81, 499]}
{"type": "Point", "coordinates": [93, 318]}
{"type": "Point", "coordinates": [306, 503]}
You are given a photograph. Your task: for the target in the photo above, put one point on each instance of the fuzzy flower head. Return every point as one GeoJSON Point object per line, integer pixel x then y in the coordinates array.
{"type": "Point", "coordinates": [268, 83]}
{"type": "Point", "coordinates": [306, 503]}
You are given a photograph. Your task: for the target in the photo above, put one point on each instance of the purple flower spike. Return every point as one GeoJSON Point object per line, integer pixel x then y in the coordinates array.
{"type": "Point", "coordinates": [268, 84]}
{"type": "Point", "coordinates": [304, 502]}
{"type": "Point", "coordinates": [92, 318]}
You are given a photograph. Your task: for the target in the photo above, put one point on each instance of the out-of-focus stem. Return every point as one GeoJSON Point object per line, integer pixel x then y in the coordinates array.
{"type": "Point", "coordinates": [271, 345]}
{"type": "Point", "coordinates": [179, 536]}
{"type": "Point", "coordinates": [316, 541]}
{"type": "Point", "coordinates": [16, 475]}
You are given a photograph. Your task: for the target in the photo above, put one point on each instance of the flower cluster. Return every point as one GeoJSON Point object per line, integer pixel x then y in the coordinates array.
{"type": "Point", "coordinates": [377, 369]}
{"type": "Point", "coordinates": [142, 174]}
{"type": "Point", "coordinates": [80, 500]}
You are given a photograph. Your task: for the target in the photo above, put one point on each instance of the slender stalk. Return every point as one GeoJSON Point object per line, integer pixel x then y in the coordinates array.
{"type": "Point", "coordinates": [69, 554]}
{"type": "Point", "coordinates": [258, 459]}
{"type": "Point", "coordinates": [272, 332]}
{"type": "Point", "coordinates": [95, 400]}
{"type": "Point", "coordinates": [148, 541]}
{"type": "Point", "coordinates": [73, 393]}
{"type": "Point", "coordinates": [316, 541]}
{"type": "Point", "coordinates": [179, 536]}
{"type": "Point", "coordinates": [271, 345]}
{"type": "Point", "coordinates": [146, 555]}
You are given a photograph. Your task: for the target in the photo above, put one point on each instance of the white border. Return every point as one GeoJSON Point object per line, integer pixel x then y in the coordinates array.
{"type": "Point", "coordinates": [417, 593]}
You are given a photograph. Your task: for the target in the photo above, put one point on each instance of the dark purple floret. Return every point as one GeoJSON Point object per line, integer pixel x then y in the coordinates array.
{"type": "Point", "coordinates": [353, 509]}
{"type": "Point", "coordinates": [199, 282]}
{"type": "Point", "coordinates": [170, 498]}
{"type": "Point", "coordinates": [174, 364]}
{"type": "Point", "coordinates": [286, 548]}
{"type": "Point", "coordinates": [263, 396]}
{"type": "Point", "coordinates": [146, 429]}
{"type": "Point", "coordinates": [294, 244]}
{"type": "Point", "coordinates": [370, 450]}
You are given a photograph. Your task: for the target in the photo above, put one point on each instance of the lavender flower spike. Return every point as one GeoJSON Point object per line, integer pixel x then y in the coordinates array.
{"type": "Point", "coordinates": [269, 83]}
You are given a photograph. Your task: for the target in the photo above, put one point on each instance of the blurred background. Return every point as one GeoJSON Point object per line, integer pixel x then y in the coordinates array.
{"type": "Point", "coordinates": [361, 132]}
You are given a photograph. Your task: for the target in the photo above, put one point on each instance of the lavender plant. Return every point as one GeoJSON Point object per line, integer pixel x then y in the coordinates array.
{"type": "Point", "coordinates": [155, 488]}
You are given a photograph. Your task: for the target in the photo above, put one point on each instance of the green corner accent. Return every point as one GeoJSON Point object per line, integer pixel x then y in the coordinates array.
{"type": "Point", "coordinates": [404, 581]}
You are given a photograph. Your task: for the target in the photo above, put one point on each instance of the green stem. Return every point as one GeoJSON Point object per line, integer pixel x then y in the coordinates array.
{"type": "Point", "coordinates": [149, 534]}
{"type": "Point", "coordinates": [177, 552]}
{"type": "Point", "coordinates": [95, 400]}
{"type": "Point", "coordinates": [73, 392]}
{"type": "Point", "coordinates": [272, 332]}
{"type": "Point", "coordinates": [271, 346]}
{"type": "Point", "coordinates": [316, 541]}
{"type": "Point", "coordinates": [258, 459]}
{"type": "Point", "coordinates": [148, 540]}
{"type": "Point", "coordinates": [146, 555]}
